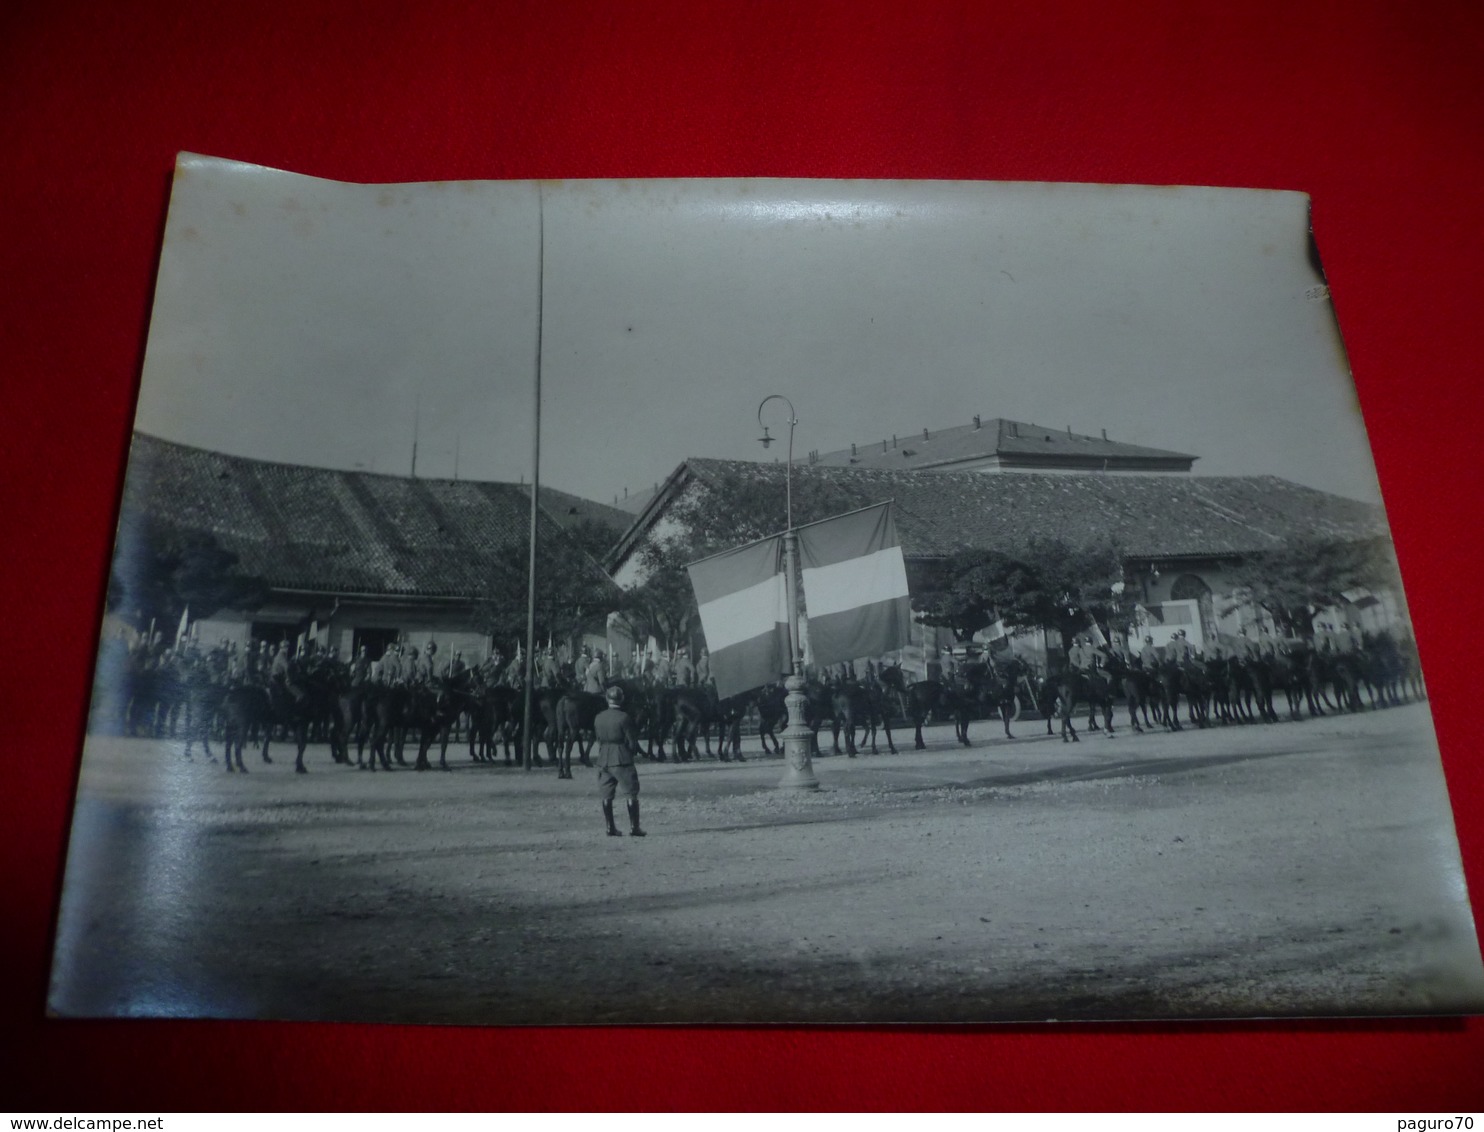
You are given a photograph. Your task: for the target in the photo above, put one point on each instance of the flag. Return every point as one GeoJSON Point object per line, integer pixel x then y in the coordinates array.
{"type": "Point", "coordinates": [855, 585]}
{"type": "Point", "coordinates": [744, 614]}
{"type": "Point", "coordinates": [185, 621]}
{"type": "Point", "coordinates": [1097, 633]}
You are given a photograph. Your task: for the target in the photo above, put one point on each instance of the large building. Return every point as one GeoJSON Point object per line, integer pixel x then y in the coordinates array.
{"type": "Point", "coordinates": [355, 558]}
{"type": "Point", "coordinates": [999, 445]}
{"type": "Point", "coordinates": [1181, 536]}
{"type": "Point", "coordinates": [993, 445]}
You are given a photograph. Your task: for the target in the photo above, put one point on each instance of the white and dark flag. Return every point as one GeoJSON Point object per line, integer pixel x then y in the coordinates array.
{"type": "Point", "coordinates": [741, 597]}
{"type": "Point", "coordinates": [855, 585]}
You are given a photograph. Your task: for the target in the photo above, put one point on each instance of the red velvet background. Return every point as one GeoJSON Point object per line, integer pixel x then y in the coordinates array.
{"type": "Point", "coordinates": [1375, 109]}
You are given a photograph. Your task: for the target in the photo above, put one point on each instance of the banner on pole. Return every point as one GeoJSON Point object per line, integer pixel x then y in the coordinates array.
{"type": "Point", "coordinates": [855, 586]}
{"type": "Point", "coordinates": [744, 614]}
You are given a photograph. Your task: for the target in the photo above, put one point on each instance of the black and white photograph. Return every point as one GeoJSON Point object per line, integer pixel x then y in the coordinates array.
{"type": "Point", "coordinates": [752, 601]}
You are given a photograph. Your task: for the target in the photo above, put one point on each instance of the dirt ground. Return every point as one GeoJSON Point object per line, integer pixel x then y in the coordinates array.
{"type": "Point", "coordinates": [1293, 869]}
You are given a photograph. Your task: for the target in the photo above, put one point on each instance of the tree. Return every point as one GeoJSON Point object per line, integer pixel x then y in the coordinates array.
{"type": "Point", "coordinates": [1047, 584]}
{"type": "Point", "coordinates": [570, 589]}
{"type": "Point", "coordinates": [731, 508]}
{"type": "Point", "coordinates": [1293, 582]}
{"type": "Point", "coordinates": [159, 570]}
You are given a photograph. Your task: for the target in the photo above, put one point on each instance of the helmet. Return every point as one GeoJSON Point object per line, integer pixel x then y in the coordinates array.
{"type": "Point", "coordinates": [614, 694]}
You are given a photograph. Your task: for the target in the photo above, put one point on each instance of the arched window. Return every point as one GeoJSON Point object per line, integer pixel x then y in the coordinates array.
{"type": "Point", "coordinates": [1188, 587]}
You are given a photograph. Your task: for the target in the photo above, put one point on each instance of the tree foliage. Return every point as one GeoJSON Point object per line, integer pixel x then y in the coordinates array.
{"type": "Point", "coordinates": [1294, 581]}
{"type": "Point", "coordinates": [159, 570]}
{"type": "Point", "coordinates": [1048, 584]}
{"type": "Point", "coordinates": [732, 508]}
{"type": "Point", "coordinates": [571, 588]}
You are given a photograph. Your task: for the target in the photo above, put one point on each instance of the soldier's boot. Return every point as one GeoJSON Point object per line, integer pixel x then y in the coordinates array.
{"type": "Point", "coordinates": [613, 830]}
{"type": "Point", "coordinates": [633, 807]}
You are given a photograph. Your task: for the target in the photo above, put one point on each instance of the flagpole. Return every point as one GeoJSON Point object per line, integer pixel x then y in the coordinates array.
{"type": "Point", "coordinates": [527, 737]}
{"type": "Point", "coordinates": [798, 774]}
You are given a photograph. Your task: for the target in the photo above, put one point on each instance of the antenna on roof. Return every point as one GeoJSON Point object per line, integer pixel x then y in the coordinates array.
{"type": "Point", "coordinates": [455, 455]}
{"type": "Point", "coordinates": [417, 409]}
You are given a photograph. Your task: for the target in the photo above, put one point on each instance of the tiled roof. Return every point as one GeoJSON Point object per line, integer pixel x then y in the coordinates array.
{"type": "Point", "coordinates": [1016, 443]}
{"type": "Point", "coordinates": [568, 509]}
{"type": "Point", "coordinates": [939, 513]}
{"type": "Point", "coordinates": [334, 531]}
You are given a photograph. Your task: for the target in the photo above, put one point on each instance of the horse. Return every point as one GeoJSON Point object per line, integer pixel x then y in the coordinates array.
{"type": "Point", "coordinates": [996, 688]}
{"type": "Point", "coordinates": [1129, 680]}
{"type": "Point", "coordinates": [434, 709]}
{"type": "Point", "coordinates": [772, 713]}
{"type": "Point", "coordinates": [696, 710]}
{"type": "Point", "coordinates": [1099, 689]}
{"type": "Point", "coordinates": [919, 700]}
{"type": "Point", "coordinates": [1341, 672]}
{"type": "Point", "coordinates": [202, 698]}
{"type": "Point", "coordinates": [246, 711]}
{"type": "Point", "coordinates": [851, 704]}
{"type": "Point", "coordinates": [575, 713]}
{"type": "Point", "coordinates": [1197, 685]}
{"type": "Point", "coordinates": [293, 710]}
{"type": "Point", "coordinates": [1170, 684]}
{"type": "Point", "coordinates": [496, 719]}
{"type": "Point", "coordinates": [1068, 686]}
{"type": "Point", "coordinates": [386, 708]}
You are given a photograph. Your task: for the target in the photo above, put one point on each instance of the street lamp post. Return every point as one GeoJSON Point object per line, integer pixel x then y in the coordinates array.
{"type": "Point", "coordinates": [798, 774]}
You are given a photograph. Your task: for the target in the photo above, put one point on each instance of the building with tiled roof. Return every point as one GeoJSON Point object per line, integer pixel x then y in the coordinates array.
{"type": "Point", "coordinates": [361, 556]}
{"type": "Point", "coordinates": [1000, 445]}
{"type": "Point", "coordinates": [1180, 535]}
{"type": "Point", "coordinates": [571, 510]}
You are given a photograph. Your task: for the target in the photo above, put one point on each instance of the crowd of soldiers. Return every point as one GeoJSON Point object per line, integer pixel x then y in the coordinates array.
{"type": "Point", "coordinates": [154, 676]}
{"type": "Point", "coordinates": [158, 679]}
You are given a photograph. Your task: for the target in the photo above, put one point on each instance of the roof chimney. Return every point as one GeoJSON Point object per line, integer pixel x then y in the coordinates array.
{"type": "Point", "coordinates": [976, 422]}
{"type": "Point", "coordinates": [1105, 434]}
{"type": "Point", "coordinates": [924, 434]}
{"type": "Point", "coordinates": [893, 440]}
{"type": "Point", "coordinates": [852, 449]}
{"type": "Point", "coordinates": [883, 446]}
{"type": "Point", "coordinates": [1069, 430]}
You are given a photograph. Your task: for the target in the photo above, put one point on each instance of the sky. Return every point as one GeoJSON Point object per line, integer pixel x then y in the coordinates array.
{"type": "Point", "coordinates": [313, 322]}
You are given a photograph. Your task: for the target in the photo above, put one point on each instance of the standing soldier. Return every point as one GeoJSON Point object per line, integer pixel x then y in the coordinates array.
{"type": "Point", "coordinates": [618, 743]}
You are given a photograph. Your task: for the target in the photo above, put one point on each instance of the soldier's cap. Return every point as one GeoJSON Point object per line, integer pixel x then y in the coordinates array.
{"type": "Point", "coordinates": [614, 694]}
